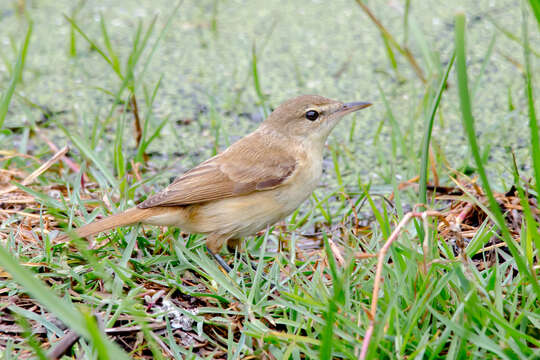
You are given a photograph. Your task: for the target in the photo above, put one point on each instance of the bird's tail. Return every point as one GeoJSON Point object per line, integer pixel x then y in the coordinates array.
{"type": "Point", "coordinates": [128, 217]}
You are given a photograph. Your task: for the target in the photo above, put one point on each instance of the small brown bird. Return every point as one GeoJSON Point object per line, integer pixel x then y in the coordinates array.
{"type": "Point", "coordinates": [254, 183]}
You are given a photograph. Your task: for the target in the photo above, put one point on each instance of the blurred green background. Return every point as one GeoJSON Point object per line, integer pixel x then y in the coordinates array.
{"type": "Point", "coordinates": [205, 62]}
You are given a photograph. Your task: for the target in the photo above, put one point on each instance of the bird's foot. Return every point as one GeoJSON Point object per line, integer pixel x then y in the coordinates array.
{"type": "Point", "coordinates": [220, 260]}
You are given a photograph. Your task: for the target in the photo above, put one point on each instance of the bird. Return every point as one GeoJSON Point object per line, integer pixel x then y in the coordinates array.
{"type": "Point", "coordinates": [254, 183]}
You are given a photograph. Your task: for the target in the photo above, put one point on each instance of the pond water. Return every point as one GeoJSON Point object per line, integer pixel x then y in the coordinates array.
{"type": "Point", "coordinates": [332, 48]}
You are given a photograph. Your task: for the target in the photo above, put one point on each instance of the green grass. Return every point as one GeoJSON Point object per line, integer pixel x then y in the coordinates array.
{"type": "Point", "coordinates": [149, 292]}
{"type": "Point", "coordinates": [16, 76]}
{"type": "Point", "coordinates": [468, 124]}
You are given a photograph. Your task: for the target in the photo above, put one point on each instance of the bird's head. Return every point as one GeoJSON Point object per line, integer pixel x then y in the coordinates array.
{"type": "Point", "coordinates": [310, 117]}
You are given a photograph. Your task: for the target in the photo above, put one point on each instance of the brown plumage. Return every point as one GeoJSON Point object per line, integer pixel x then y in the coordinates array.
{"type": "Point", "coordinates": [239, 170]}
{"type": "Point", "coordinates": [254, 183]}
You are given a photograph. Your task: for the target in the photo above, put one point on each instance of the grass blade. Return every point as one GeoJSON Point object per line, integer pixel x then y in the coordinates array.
{"type": "Point", "coordinates": [533, 124]}
{"type": "Point", "coordinates": [535, 5]}
{"type": "Point", "coordinates": [427, 134]}
{"type": "Point", "coordinates": [468, 124]}
{"type": "Point", "coordinates": [112, 54]}
{"type": "Point", "coordinates": [397, 135]}
{"type": "Point", "coordinates": [256, 80]}
{"type": "Point", "coordinates": [158, 40]}
{"type": "Point", "coordinates": [487, 57]}
{"type": "Point", "coordinates": [92, 43]}
{"type": "Point", "coordinates": [89, 153]}
{"type": "Point", "coordinates": [16, 76]}
{"type": "Point", "coordinates": [65, 311]}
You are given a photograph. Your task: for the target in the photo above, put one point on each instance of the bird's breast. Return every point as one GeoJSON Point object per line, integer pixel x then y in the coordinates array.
{"type": "Point", "coordinates": [302, 183]}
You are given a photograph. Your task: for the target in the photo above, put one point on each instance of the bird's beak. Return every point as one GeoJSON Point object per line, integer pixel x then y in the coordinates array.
{"type": "Point", "coordinates": [348, 108]}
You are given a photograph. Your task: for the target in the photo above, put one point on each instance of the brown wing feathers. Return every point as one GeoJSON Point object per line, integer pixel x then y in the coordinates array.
{"type": "Point", "coordinates": [238, 171]}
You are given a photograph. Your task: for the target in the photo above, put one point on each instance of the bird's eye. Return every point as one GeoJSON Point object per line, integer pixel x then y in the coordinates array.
{"type": "Point", "coordinates": [312, 115]}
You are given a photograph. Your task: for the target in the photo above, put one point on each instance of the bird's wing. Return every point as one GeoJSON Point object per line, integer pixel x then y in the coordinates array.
{"type": "Point", "coordinates": [251, 164]}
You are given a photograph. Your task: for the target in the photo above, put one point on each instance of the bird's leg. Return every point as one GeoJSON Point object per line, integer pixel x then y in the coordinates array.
{"type": "Point", "coordinates": [219, 260]}
{"type": "Point", "coordinates": [249, 262]}
{"type": "Point", "coordinates": [234, 245]}
{"type": "Point", "coordinates": [214, 242]}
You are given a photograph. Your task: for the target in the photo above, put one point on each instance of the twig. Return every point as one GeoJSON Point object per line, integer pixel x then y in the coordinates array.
{"type": "Point", "coordinates": [161, 344]}
{"type": "Point", "coordinates": [491, 247]}
{"type": "Point", "coordinates": [425, 244]}
{"type": "Point", "coordinates": [18, 200]}
{"type": "Point", "coordinates": [70, 163]}
{"type": "Point", "coordinates": [63, 345]}
{"type": "Point", "coordinates": [336, 252]}
{"type": "Point", "coordinates": [22, 213]}
{"type": "Point", "coordinates": [343, 67]}
{"type": "Point", "coordinates": [463, 215]}
{"type": "Point", "coordinates": [402, 50]}
{"type": "Point", "coordinates": [135, 109]}
{"type": "Point", "coordinates": [362, 255]}
{"type": "Point", "coordinates": [129, 329]}
{"type": "Point", "coordinates": [378, 272]}
{"type": "Point", "coordinates": [30, 178]}
{"type": "Point", "coordinates": [433, 164]}
{"type": "Point", "coordinates": [67, 341]}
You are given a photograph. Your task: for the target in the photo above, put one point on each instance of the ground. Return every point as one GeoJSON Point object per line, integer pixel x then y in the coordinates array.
{"type": "Point", "coordinates": [451, 285]}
